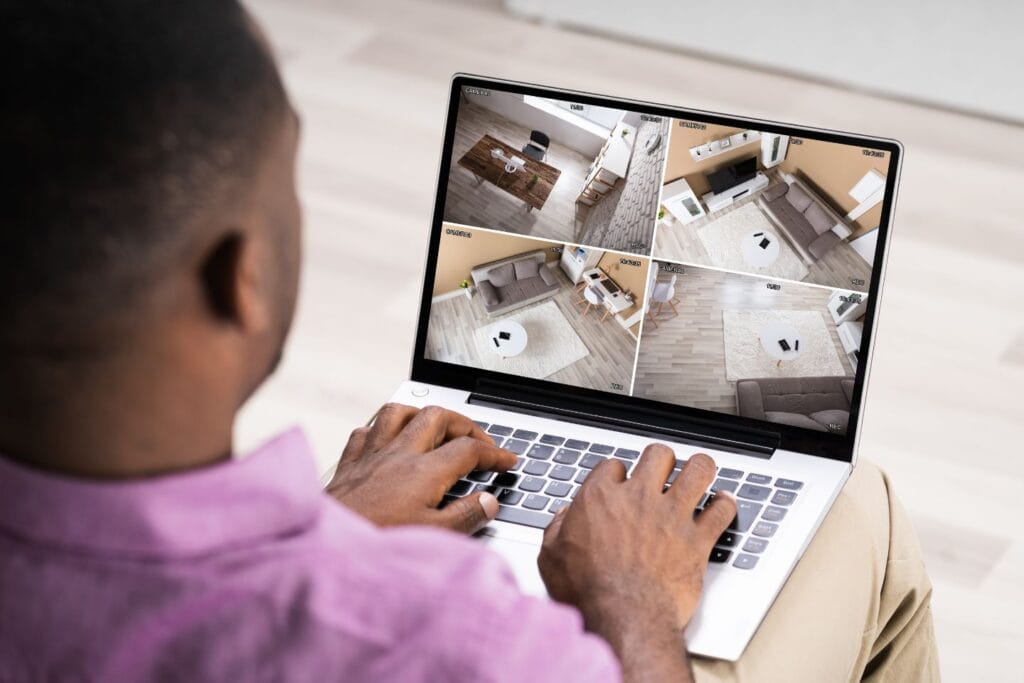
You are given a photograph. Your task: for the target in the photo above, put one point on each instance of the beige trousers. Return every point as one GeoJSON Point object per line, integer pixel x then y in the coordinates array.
{"type": "Point", "coordinates": [857, 607]}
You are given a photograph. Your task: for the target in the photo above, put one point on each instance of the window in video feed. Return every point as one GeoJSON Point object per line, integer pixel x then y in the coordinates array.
{"type": "Point", "coordinates": [537, 308]}
{"type": "Point", "coordinates": [773, 350]}
{"type": "Point", "coordinates": [556, 170]}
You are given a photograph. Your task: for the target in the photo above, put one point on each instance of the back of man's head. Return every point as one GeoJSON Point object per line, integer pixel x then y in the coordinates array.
{"type": "Point", "coordinates": [125, 125]}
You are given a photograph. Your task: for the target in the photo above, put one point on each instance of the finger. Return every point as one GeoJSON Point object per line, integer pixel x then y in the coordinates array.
{"type": "Point", "coordinates": [656, 463]}
{"type": "Point", "coordinates": [356, 444]}
{"type": "Point", "coordinates": [469, 514]}
{"type": "Point", "coordinates": [693, 480]}
{"type": "Point", "coordinates": [463, 455]}
{"type": "Point", "coordinates": [611, 470]}
{"type": "Point", "coordinates": [555, 526]}
{"type": "Point", "coordinates": [388, 423]}
{"type": "Point", "coordinates": [716, 517]}
{"type": "Point", "coordinates": [433, 426]}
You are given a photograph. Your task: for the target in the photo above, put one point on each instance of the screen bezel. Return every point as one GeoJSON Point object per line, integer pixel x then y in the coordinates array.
{"type": "Point", "coordinates": [796, 439]}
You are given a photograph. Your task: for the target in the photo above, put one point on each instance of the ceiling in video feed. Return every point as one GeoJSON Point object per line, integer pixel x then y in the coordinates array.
{"type": "Point", "coordinates": [694, 264]}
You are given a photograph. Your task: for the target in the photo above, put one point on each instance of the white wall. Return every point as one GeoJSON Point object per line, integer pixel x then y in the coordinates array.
{"type": "Point", "coordinates": [954, 53]}
{"type": "Point", "coordinates": [563, 132]}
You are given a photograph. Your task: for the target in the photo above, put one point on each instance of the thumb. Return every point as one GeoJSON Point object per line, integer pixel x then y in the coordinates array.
{"type": "Point", "coordinates": [469, 514]}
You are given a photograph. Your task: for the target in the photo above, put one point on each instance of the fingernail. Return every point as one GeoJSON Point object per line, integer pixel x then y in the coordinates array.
{"type": "Point", "coordinates": [490, 505]}
{"type": "Point", "coordinates": [727, 494]}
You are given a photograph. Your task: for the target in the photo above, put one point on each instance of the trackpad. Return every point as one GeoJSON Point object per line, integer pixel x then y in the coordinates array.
{"type": "Point", "coordinates": [522, 558]}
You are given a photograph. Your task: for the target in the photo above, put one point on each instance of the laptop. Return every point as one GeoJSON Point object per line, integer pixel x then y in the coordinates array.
{"type": "Point", "coordinates": [603, 274]}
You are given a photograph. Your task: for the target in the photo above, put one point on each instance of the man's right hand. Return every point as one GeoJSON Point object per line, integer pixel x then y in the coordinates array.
{"type": "Point", "coordinates": [632, 558]}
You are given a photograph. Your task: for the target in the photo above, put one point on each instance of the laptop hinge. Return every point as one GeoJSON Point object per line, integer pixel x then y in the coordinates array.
{"type": "Point", "coordinates": [606, 415]}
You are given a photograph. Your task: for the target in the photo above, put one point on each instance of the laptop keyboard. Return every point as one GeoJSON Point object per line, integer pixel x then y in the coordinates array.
{"type": "Point", "coordinates": [550, 468]}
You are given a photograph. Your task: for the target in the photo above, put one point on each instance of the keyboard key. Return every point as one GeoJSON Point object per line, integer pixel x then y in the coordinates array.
{"type": "Point", "coordinates": [753, 492]}
{"type": "Point", "coordinates": [744, 561]}
{"type": "Point", "coordinates": [540, 451]}
{"type": "Point", "coordinates": [517, 446]}
{"type": "Point", "coordinates": [720, 555]}
{"type": "Point", "coordinates": [730, 474]}
{"type": "Point", "coordinates": [519, 464]}
{"type": "Point", "coordinates": [582, 476]}
{"type": "Point", "coordinates": [773, 514]}
{"type": "Point", "coordinates": [563, 473]}
{"type": "Point", "coordinates": [524, 434]}
{"type": "Point", "coordinates": [506, 479]}
{"type": "Point", "coordinates": [755, 545]}
{"type": "Point", "coordinates": [764, 529]}
{"type": "Point", "coordinates": [537, 468]}
{"type": "Point", "coordinates": [746, 513]}
{"type": "Point", "coordinates": [518, 515]}
{"type": "Point", "coordinates": [728, 539]}
{"type": "Point", "coordinates": [783, 498]}
{"type": "Point", "coordinates": [484, 488]}
{"type": "Point", "coordinates": [626, 453]}
{"type": "Point", "coordinates": [575, 490]}
{"type": "Point", "coordinates": [679, 463]}
{"type": "Point", "coordinates": [461, 488]}
{"type": "Point", "coordinates": [536, 502]}
{"type": "Point", "coordinates": [509, 497]}
{"type": "Point", "coordinates": [498, 441]}
{"type": "Point", "coordinates": [729, 485]}
{"type": "Point", "coordinates": [601, 448]}
{"type": "Point", "coordinates": [532, 484]}
{"type": "Point", "coordinates": [500, 430]}
{"type": "Point", "coordinates": [758, 478]}
{"type": "Point", "coordinates": [558, 489]}
{"type": "Point", "coordinates": [789, 484]}
{"type": "Point", "coordinates": [590, 460]}
{"type": "Point", "coordinates": [445, 500]}
{"type": "Point", "coordinates": [672, 476]}
{"type": "Point", "coordinates": [577, 445]}
{"type": "Point", "coordinates": [482, 425]}
{"type": "Point", "coordinates": [552, 440]}
{"type": "Point", "coordinates": [481, 476]}
{"type": "Point", "coordinates": [566, 456]}
{"type": "Point", "coordinates": [557, 505]}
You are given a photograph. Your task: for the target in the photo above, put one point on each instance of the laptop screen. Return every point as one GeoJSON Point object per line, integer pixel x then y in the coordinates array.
{"type": "Point", "coordinates": [689, 260]}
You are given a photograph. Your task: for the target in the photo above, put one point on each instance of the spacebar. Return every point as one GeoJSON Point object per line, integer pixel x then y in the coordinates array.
{"type": "Point", "coordinates": [527, 517]}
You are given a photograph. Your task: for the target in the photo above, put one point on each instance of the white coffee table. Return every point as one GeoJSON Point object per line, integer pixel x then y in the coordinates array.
{"type": "Point", "coordinates": [771, 333]}
{"type": "Point", "coordinates": [514, 345]}
{"type": "Point", "coordinates": [757, 255]}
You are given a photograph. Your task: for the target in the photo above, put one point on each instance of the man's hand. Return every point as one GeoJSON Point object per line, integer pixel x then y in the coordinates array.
{"type": "Point", "coordinates": [632, 558]}
{"type": "Point", "coordinates": [397, 470]}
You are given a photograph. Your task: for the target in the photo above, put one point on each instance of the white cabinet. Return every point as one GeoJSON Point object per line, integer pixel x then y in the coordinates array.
{"type": "Point", "coordinates": [680, 200]}
{"type": "Point", "coordinates": [845, 306]}
{"type": "Point", "coordinates": [717, 202]}
{"type": "Point", "coordinates": [576, 260]}
{"type": "Point", "coordinates": [611, 164]}
{"type": "Point", "coordinates": [773, 149]}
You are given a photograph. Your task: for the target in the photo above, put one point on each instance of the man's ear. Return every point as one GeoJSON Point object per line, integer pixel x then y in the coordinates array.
{"type": "Point", "coordinates": [233, 282]}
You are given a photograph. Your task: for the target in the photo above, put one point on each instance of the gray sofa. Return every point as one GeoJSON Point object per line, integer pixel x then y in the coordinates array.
{"type": "Point", "coordinates": [806, 219]}
{"type": "Point", "coordinates": [514, 282]}
{"type": "Point", "coordinates": [809, 402]}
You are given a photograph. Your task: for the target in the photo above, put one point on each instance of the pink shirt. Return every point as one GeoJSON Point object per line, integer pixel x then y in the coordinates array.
{"type": "Point", "coordinates": [246, 571]}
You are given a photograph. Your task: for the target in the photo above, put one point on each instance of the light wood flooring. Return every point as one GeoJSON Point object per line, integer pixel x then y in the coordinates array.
{"type": "Point", "coordinates": [682, 360]}
{"type": "Point", "coordinates": [612, 348]}
{"type": "Point", "coordinates": [483, 205]}
{"type": "Point", "coordinates": [841, 267]}
{"type": "Point", "coordinates": [944, 416]}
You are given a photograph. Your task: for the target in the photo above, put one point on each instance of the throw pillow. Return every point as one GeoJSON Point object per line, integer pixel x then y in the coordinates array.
{"type": "Point", "coordinates": [818, 219]}
{"type": "Point", "coordinates": [797, 197]}
{"type": "Point", "coordinates": [526, 269]}
{"type": "Point", "coordinates": [502, 275]}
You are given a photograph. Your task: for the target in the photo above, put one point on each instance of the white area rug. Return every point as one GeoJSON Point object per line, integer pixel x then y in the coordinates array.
{"type": "Point", "coordinates": [723, 238]}
{"type": "Point", "coordinates": [745, 358]}
{"type": "Point", "coordinates": [552, 343]}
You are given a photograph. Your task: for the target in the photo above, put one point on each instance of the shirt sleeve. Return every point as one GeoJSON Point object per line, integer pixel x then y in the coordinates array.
{"type": "Point", "coordinates": [477, 625]}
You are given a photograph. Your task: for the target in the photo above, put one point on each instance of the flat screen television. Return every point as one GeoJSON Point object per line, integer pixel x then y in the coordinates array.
{"type": "Point", "coordinates": [732, 175]}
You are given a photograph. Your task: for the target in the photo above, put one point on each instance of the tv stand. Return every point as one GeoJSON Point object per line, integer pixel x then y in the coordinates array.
{"type": "Point", "coordinates": [717, 202]}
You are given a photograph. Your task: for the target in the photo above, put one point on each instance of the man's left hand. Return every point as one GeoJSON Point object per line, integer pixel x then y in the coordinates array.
{"type": "Point", "coordinates": [397, 470]}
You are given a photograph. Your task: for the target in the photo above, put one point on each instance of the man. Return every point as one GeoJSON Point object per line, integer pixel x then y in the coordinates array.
{"type": "Point", "coordinates": [150, 236]}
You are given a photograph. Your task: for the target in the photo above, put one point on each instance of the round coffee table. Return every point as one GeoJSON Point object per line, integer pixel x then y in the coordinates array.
{"type": "Point", "coordinates": [507, 337]}
{"type": "Point", "coordinates": [760, 248]}
{"type": "Point", "coordinates": [771, 333]}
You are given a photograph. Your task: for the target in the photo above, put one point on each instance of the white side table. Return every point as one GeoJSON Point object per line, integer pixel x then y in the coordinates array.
{"type": "Point", "coordinates": [770, 335]}
{"type": "Point", "coordinates": [508, 338]}
{"type": "Point", "coordinates": [760, 249]}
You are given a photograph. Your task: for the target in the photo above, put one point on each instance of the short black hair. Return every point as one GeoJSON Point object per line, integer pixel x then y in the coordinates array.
{"type": "Point", "coordinates": [122, 122]}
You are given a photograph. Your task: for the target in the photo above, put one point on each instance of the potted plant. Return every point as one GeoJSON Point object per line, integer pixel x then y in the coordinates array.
{"type": "Point", "coordinates": [625, 132]}
{"type": "Point", "coordinates": [532, 181]}
{"type": "Point", "coordinates": [467, 288]}
{"type": "Point", "coordinates": [661, 214]}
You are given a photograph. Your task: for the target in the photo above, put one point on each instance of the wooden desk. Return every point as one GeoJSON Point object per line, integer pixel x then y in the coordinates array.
{"type": "Point", "coordinates": [479, 161]}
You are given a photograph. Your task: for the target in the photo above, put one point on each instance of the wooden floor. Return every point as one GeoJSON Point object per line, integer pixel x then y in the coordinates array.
{"type": "Point", "coordinates": [682, 359]}
{"type": "Point", "coordinates": [483, 205]}
{"type": "Point", "coordinates": [612, 348]}
{"type": "Point", "coordinates": [841, 267]}
{"type": "Point", "coordinates": [944, 415]}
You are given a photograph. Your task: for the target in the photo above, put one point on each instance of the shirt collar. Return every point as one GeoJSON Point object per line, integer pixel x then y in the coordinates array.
{"type": "Point", "coordinates": [272, 492]}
